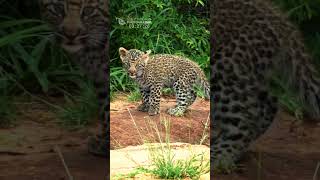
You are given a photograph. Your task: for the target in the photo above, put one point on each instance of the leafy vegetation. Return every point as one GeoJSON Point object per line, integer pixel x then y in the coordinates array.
{"type": "Point", "coordinates": [171, 26]}
{"type": "Point", "coordinates": [79, 110]}
{"type": "Point", "coordinates": [32, 64]}
{"type": "Point", "coordinates": [300, 11]}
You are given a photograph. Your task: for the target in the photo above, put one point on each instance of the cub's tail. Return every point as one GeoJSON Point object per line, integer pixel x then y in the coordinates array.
{"type": "Point", "coordinates": [202, 81]}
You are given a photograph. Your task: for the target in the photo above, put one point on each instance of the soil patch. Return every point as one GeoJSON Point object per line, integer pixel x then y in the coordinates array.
{"type": "Point", "coordinates": [285, 152]}
{"type": "Point", "coordinates": [128, 126]}
{"type": "Point", "coordinates": [27, 150]}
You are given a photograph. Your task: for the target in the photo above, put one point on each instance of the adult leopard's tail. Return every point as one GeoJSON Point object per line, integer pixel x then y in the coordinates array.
{"type": "Point", "coordinates": [305, 78]}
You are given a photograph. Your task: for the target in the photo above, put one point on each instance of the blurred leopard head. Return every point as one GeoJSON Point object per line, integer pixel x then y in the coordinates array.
{"type": "Point", "coordinates": [77, 23]}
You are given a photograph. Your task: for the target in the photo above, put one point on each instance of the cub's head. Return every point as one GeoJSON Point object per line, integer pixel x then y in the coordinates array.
{"type": "Point", "coordinates": [134, 61]}
{"type": "Point", "coordinates": [77, 23]}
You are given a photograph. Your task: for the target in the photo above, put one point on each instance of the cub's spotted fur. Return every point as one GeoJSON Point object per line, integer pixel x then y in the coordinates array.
{"type": "Point", "coordinates": [153, 72]}
{"type": "Point", "coordinates": [81, 27]}
{"type": "Point", "coordinates": [250, 40]}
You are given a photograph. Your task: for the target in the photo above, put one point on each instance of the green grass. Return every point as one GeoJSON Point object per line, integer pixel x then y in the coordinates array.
{"type": "Point", "coordinates": [300, 11]}
{"type": "Point", "coordinates": [134, 95]}
{"type": "Point", "coordinates": [287, 97]}
{"type": "Point", "coordinates": [29, 57]}
{"type": "Point", "coordinates": [168, 92]}
{"type": "Point", "coordinates": [79, 110]}
{"type": "Point", "coordinates": [32, 65]}
{"type": "Point", "coordinates": [166, 167]}
{"type": "Point", "coordinates": [170, 31]}
{"type": "Point", "coordinates": [119, 81]}
{"type": "Point", "coordinates": [132, 174]}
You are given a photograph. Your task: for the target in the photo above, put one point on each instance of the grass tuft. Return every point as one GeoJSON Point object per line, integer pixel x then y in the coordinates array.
{"type": "Point", "coordinates": [165, 166]}
{"type": "Point", "coordinates": [79, 110]}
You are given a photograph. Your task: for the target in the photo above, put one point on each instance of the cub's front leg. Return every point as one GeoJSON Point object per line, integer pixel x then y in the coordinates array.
{"type": "Point", "coordinates": [145, 93]}
{"type": "Point", "coordinates": [154, 99]}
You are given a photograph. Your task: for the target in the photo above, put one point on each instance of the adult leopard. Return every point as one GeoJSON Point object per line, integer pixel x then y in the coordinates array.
{"type": "Point", "coordinates": [251, 40]}
{"type": "Point", "coordinates": [81, 28]}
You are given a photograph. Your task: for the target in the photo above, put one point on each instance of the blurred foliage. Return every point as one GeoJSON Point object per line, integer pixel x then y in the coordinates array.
{"type": "Point", "coordinates": [32, 64]}
{"type": "Point", "coordinates": [300, 11]}
{"type": "Point", "coordinates": [306, 15]}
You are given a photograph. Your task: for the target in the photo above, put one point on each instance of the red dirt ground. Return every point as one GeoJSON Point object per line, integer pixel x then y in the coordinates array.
{"type": "Point", "coordinates": [124, 132]}
{"type": "Point", "coordinates": [284, 152]}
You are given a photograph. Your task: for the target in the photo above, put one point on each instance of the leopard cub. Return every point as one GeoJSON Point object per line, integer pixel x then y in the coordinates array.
{"type": "Point", "coordinates": [154, 72]}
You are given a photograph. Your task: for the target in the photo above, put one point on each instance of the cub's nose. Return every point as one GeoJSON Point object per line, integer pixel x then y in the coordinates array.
{"type": "Point", "coordinates": [132, 70]}
{"type": "Point", "coordinates": [70, 32]}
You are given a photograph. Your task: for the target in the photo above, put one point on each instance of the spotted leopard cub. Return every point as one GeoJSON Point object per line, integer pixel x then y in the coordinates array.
{"type": "Point", "coordinates": [154, 72]}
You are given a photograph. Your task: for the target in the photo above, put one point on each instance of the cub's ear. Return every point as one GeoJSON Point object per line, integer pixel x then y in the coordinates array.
{"type": "Point", "coordinates": [148, 52]}
{"type": "Point", "coordinates": [123, 53]}
{"type": "Point", "coordinates": [145, 56]}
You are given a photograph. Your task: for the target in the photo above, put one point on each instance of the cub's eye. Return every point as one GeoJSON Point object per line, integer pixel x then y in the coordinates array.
{"type": "Point", "coordinates": [56, 9]}
{"type": "Point", "coordinates": [139, 66]}
{"type": "Point", "coordinates": [87, 11]}
{"type": "Point", "coordinates": [126, 65]}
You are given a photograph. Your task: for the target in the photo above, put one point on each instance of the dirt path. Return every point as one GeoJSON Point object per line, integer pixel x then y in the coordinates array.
{"type": "Point", "coordinates": [27, 150]}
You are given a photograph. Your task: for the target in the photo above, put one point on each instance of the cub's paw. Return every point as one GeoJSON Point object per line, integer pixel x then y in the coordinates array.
{"type": "Point", "coordinates": [153, 111]}
{"type": "Point", "coordinates": [223, 165]}
{"type": "Point", "coordinates": [176, 111]}
{"type": "Point", "coordinates": [143, 108]}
